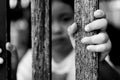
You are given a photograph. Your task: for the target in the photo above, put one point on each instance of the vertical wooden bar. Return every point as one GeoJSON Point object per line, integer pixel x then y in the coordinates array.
{"type": "Point", "coordinates": [86, 62]}
{"type": "Point", "coordinates": [4, 28]}
{"type": "Point", "coordinates": [40, 39]}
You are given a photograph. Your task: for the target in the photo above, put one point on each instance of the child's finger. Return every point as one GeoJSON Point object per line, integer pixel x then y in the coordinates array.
{"type": "Point", "coordinates": [96, 25]}
{"type": "Point", "coordinates": [14, 54]}
{"type": "Point", "coordinates": [1, 60]}
{"type": "Point", "coordinates": [96, 39]}
{"type": "Point", "coordinates": [25, 3]}
{"type": "Point", "coordinates": [13, 3]}
{"type": "Point", "coordinates": [0, 50]}
{"type": "Point", "coordinates": [99, 14]}
{"type": "Point", "coordinates": [71, 30]}
{"type": "Point", "coordinates": [100, 48]}
{"type": "Point", "coordinates": [12, 49]}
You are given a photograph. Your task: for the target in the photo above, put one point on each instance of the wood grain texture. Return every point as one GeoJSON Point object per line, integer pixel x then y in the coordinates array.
{"type": "Point", "coordinates": [40, 39]}
{"type": "Point", "coordinates": [86, 62]}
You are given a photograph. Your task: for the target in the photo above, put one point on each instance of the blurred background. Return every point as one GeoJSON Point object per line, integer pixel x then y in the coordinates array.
{"type": "Point", "coordinates": [20, 25]}
{"type": "Point", "coordinates": [112, 10]}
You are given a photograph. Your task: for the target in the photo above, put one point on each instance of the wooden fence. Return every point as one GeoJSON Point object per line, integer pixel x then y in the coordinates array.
{"type": "Point", "coordinates": [86, 63]}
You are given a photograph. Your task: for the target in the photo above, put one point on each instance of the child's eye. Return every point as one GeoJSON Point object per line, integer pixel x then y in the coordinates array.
{"type": "Point", "coordinates": [66, 18]}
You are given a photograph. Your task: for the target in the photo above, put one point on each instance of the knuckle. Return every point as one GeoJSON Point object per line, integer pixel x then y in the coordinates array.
{"type": "Point", "coordinates": [105, 23]}
{"type": "Point", "coordinates": [104, 48]}
{"type": "Point", "coordinates": [93, 39]}
{"type": "Point", "coordinates": [97, 49]}
{"type": "Point", "coordinates": [109, 45]}
{"type": "Point", "coordinates": [104, 37]}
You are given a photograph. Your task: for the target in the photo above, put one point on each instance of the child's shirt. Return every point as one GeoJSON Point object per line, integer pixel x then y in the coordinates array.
{"type": "Point", "coordinates": [64, 70]}
{"type": "Point", "coordinates": [24, 71]}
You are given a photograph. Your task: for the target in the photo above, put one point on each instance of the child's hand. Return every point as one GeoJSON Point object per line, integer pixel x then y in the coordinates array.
{"type": "Point", "coordinates": [23, 3]}
{"type": "Point", "coordinates": [14, 55]}
{"type": "Point", "coordinates": [1, 59]}
{"type": "Point", "coordinates": [99, 42]}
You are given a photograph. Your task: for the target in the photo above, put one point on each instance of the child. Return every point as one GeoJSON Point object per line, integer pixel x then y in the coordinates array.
{"type": "Point", "coordinates": [63, 56]}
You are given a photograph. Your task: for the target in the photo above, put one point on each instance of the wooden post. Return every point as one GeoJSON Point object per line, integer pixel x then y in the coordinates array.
{"type": "Point", "coordinates": [5, 73]}
{"type": "Point", "coordinates": [40, 39]}
{"type": "Point", "coordinates": [86, 62]}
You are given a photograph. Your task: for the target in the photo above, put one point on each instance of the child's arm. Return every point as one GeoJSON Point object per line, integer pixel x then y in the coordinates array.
{"type": "Point", "coordinates": [99, 42]}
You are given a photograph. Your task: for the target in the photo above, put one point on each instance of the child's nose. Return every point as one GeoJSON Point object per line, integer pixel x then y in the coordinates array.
{"type": "Point", "coordinates": [56, 28]}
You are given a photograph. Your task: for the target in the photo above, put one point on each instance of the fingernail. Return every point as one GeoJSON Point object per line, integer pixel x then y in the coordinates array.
{"type": "Point", "coordinates": [86, 28]}
{"type": "Point", "coordinates": [74, 24]}
{"type": "Point", "coordinates": [88, 48]}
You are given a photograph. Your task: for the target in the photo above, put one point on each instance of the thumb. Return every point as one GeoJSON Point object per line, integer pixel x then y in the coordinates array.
{"type": "Point", "coordinates": [71, 31]}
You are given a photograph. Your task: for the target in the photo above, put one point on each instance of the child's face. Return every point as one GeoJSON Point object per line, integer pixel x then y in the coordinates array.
{"type": "Point", "coordinates": [62, 17]}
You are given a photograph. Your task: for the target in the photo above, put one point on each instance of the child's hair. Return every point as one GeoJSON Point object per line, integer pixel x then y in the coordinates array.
{"type": "Point", "coordinates": [69, 2]}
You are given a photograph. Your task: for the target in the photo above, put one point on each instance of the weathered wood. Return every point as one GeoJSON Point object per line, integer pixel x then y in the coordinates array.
{"type": "Point", "coordinates": [86, 62]}
{"type": "Point", "coordinates": [40, 39]}
{"type": "Point", "coordinates": [5, 73]}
